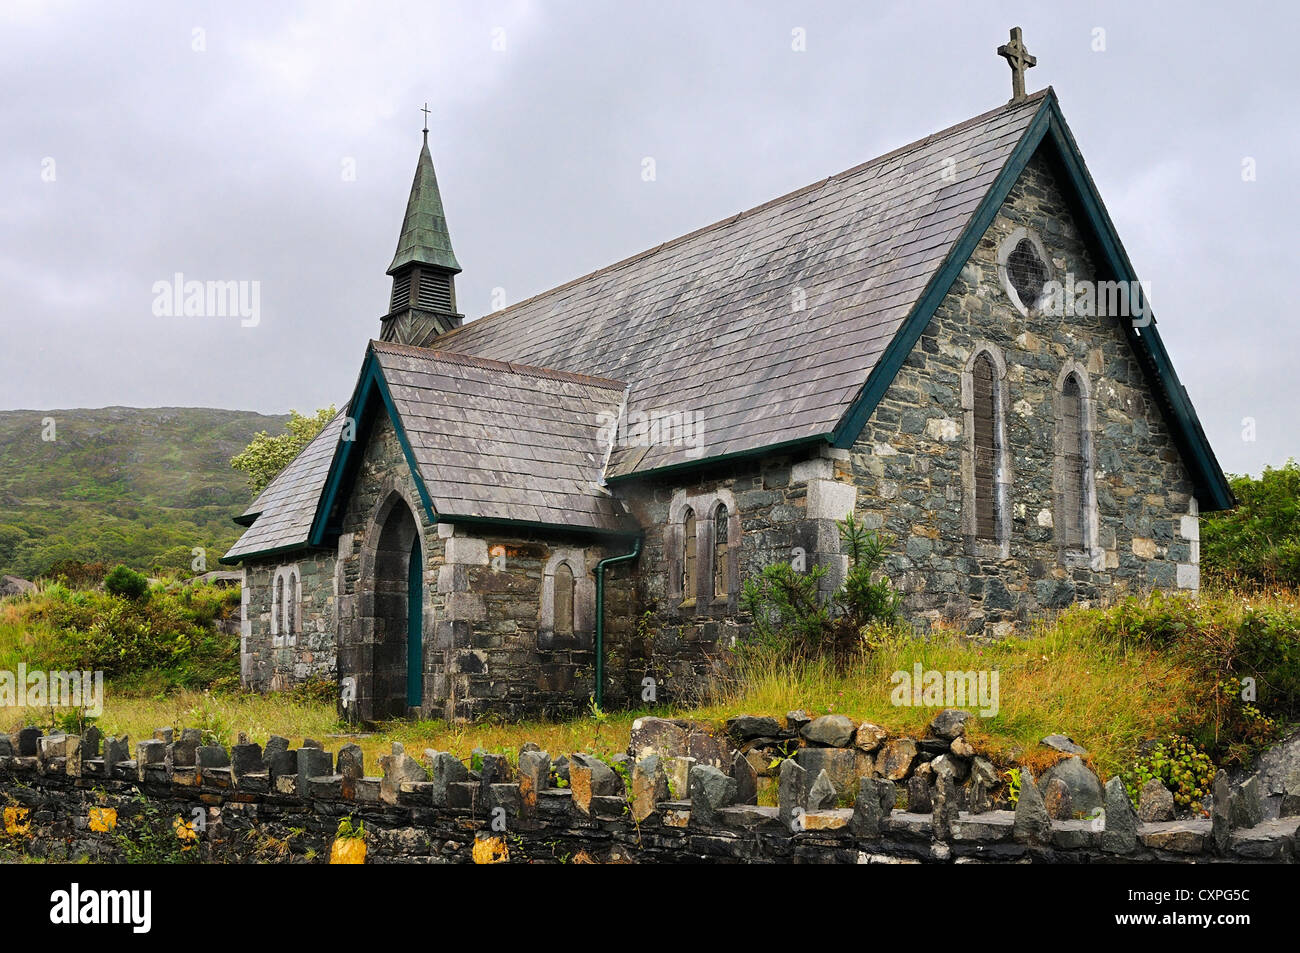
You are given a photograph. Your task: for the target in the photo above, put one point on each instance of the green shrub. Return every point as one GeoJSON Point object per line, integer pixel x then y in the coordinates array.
{"type": "Point", "coordinates": [126, 582]}
{"type": "Point", "coordinates": [788, 617]}
{"type": "Point", "coordinates": [866, 596]}
{"type": "Point", "coordinates": [162, 640]}
{"type": "Point", "coordinates": [78, 574]}
{"type": "Point", "coordinates": [1180, 765]}
{"type": "Point", "coordinates": [791, 620]}
{"type": "Point", "coordinates": [1247, 657]}
{"type": "Point", "coordinates": [1258, 543]}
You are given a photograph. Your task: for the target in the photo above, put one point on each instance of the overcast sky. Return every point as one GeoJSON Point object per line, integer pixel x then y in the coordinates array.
{"type": "Point", "coordinates": [275, 143]}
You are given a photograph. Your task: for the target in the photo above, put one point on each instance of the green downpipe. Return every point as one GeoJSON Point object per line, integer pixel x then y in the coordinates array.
{"type": "Point", "coordinates": [600, 616]}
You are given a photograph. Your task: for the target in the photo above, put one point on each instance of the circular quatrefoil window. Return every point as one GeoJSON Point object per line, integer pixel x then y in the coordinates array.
{"type": "Point", "coordinates": [1023, 264]}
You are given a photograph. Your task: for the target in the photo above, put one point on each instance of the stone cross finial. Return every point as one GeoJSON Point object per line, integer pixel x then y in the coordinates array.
{"type": "Point", "coordinates": [1018, 57]}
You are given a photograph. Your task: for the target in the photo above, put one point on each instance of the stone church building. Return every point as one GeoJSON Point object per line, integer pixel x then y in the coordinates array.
{"type": "Point", "coordinates": [564, 497]}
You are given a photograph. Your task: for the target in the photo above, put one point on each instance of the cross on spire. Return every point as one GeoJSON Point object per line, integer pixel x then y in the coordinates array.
{"type": "Point", "coordinates": [425, 109]}
{"type": "Point", "coordinates": [1017, 55]}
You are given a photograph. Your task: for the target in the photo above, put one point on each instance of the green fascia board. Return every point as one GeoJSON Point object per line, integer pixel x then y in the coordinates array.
{"type": "Point", "coordinates": [370, 383]}
{"type": "Point", "coordinates": [763, 451]}
{"type": "Point", "coordinates": [265, 554]}
{"type": "Point", "coordinates": [1047, 125]}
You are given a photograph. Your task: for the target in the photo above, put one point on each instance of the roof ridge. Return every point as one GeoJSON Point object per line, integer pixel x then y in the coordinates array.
{"type": "Point", "coordinates": [510, 367]}
{"type": "Point", "coordinates": [736, 216]}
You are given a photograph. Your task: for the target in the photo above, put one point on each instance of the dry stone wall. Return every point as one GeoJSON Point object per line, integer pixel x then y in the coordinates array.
{"type": "Point", "coordinates": [679, 795]}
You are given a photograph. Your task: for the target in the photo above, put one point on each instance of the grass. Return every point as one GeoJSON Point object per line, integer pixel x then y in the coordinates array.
{"type": "Point", "coordinates": [1068, 675]}
{"type": "Point", "coordinates": [1061, 679]}
{"type": "Point", "coordinates": [226, 714]}
{"type": "Point", "coordinates": [22, 640]}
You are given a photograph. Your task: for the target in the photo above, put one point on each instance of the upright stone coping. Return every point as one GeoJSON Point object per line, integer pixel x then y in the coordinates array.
{"type": "Point", "coordinates": [591, 779]}
{"type": "Point", "coordinates": [792, 791]}
{"type": "Point", "coordinates": [1120, 834]}
{"type": "Point", "coordinates": [711, 791]}
{"type": "Point", "coordinates": [534, 777]}
{"type": "Point", "coordinates": [531, 803]}
{"type": "Point", "coordinates": [445, 770]}
{"type": "Point", "coordinates": [245, 759]}
{"type": "Point", "coordinates": [351, 762]}
{"type": "Point", "coordinates": [1033, 825]}
{"type": "Point", "coordinates": [399, 768]}
{"type": "Point", "coordinates": [649, 787]}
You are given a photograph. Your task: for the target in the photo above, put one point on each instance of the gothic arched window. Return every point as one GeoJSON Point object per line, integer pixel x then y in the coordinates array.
{"type": "Point", "coordinates": [563, 600]}
{"type": "Point", "coordinates": [983, 376]}
{"type": "Point", "coordinates": [277, 607]}
{"type": "Point", "coordinates": [1074, 477]}
{"type": "Point", "coordinates": [291, 606]}
{"type": "Point", "coordinates": [986, 466]}
{"type": "Point", "coordinates": [721, 586]}
{"type": "Point", "coordinates": [688, 556]}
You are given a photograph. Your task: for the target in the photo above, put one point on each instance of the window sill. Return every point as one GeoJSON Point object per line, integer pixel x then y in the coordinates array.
{"type": "Point", "coordinates": [989, 549]}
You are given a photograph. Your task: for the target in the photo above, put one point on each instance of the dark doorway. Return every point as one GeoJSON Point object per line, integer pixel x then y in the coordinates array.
{"type": "Point", "coordinates": [398, 616]}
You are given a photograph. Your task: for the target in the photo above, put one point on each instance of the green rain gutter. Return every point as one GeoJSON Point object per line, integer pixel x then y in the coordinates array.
{"type": "Point", "coordinates": [600, 615]}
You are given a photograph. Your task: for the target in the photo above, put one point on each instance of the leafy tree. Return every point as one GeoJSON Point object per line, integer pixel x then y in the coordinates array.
{"type": "Point", "coordinates": [1258, 543]}
{"type": "Point", "coordinates": [264, 458]}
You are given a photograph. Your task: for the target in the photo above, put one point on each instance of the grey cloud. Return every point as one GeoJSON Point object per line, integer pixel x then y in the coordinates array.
{"type": "Point", "coordinates": [227, 164]}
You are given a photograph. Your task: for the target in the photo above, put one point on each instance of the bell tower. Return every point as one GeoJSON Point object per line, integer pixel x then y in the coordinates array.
{"type": "Point", "coordinates": [424, 269]}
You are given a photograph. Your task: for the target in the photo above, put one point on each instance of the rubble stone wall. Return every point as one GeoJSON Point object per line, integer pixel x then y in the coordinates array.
{"type": "Point", "coordinates": [679, 795]}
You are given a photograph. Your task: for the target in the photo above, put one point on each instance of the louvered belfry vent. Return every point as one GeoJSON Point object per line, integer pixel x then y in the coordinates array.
{"type": "Point", "coordinates": [401, 293]}
{"type": "Point", "coordinates": [435, 292]}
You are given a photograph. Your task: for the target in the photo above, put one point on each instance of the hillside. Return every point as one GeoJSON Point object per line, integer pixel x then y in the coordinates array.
{"type": "Point", "coordinates": [142, 486]}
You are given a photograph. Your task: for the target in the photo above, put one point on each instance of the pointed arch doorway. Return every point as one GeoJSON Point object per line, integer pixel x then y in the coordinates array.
{"type": "Point", "coordinates": [395, 625]}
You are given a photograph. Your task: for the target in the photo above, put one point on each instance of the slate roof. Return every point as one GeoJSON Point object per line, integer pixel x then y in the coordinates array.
{"type": "Point", "coordinates": [503, 441]}
{"type": "Point", "coordinates": [706, 324]}
{"type": "Point", "coordinates": [703, 324]}
{"type": "Point", "coordinates": [283, 512]}
{"type": "Point", "coordinates": [504, 418]}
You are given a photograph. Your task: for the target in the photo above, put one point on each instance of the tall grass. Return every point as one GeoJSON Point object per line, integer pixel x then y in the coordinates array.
{"type": "Point", "coordinates": [1062, 678]}
{"type": "Point", "coordinates": [1108, 678]}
